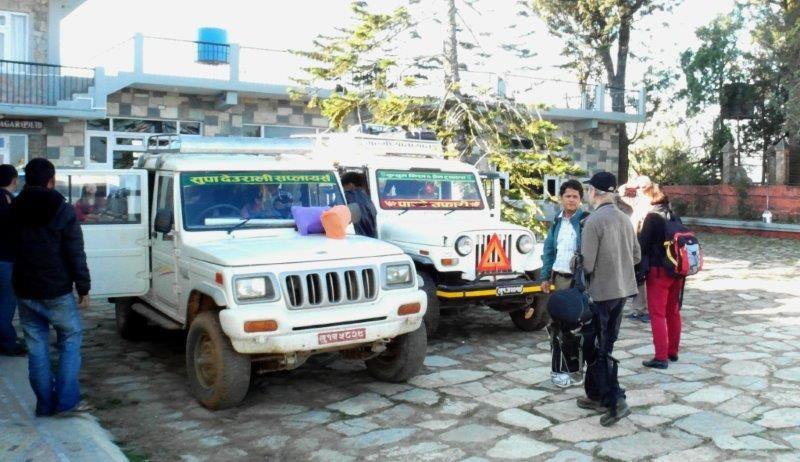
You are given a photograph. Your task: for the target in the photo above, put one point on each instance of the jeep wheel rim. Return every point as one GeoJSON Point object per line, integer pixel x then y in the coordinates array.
{"type": "Point", "coordinates": [204, 364]}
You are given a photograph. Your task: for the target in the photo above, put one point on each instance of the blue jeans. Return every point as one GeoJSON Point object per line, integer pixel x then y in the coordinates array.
{"type": "Point", "coordinates": [60, 392]}
{"type": "Point", "coordinates": [8, 304]}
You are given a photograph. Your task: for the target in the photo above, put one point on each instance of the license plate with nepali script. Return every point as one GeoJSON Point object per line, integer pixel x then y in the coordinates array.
{"type": "Point", "coordinates": [342, 336]}
{"type": "Point", "coordinates": [506, 291]}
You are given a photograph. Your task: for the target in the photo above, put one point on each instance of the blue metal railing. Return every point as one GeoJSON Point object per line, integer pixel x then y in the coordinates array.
{"type": "Point", "coordinates": [41, 84]}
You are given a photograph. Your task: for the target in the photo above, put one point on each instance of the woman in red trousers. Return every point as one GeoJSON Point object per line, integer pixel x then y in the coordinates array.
{"type": "Point", "coordinates": [663, 290]}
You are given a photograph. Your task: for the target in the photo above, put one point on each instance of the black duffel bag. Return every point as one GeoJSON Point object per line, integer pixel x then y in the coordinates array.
{"type": "Point", "coordinates": [570, 307]}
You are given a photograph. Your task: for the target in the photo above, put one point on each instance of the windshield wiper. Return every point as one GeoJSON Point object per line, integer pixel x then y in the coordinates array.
{"type": "Point", "coordinates": [239, 225]}
{"type": "Point", "coordinates": [450, 211]}
{"type": "Point", "coordinates": [404, 211]}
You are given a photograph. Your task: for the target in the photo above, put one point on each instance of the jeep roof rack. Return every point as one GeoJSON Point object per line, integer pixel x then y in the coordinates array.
{"type": "Point", "coordinates": [390, 144]}
{"type": "Point", "coordinates": [195, 144]}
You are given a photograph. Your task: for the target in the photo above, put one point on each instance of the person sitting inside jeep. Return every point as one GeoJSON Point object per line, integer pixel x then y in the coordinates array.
{"type": "Point", "coordinates": [90, 204]}
{"type": "Point", "coordinates": [271, 202]}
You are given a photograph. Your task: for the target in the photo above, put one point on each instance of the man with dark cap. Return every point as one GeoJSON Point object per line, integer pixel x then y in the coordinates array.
{"type": "Point", "coordinates": [610, 250]}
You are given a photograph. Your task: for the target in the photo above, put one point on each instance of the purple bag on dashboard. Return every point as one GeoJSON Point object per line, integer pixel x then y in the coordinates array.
{"type": "Point", "coordinates": [308, 219]}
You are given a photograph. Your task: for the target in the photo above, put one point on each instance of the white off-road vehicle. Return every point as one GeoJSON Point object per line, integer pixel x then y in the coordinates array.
{"type": "Point", "coordinates": [438, 212]}
{"type": "Point", "coordinates": [200, 236]}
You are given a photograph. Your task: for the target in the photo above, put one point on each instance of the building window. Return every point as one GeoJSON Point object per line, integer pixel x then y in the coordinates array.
{"type": "Point", "coordinates": [275, 131]}
{"type": "Point", "coordinates": [14, 150]}
{"type": "Point", "coordinates": [13, 36]}
{"type": "Point", "coordinates": [184, 127]}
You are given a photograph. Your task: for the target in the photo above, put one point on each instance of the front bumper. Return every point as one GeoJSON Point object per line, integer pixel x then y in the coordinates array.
{"type": "Point", "coordinates": [321, 329]}
{"type": "Point", "coordinates": [507, 289]}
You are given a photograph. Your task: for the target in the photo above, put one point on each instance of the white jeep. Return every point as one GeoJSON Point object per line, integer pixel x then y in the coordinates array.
{"type": "Point", "coordinates": [200, 236]}
{"type": "Point", "coordinates": [438, 212]}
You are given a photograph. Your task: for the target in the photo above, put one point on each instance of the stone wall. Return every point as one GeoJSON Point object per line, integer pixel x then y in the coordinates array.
{"type": "Point", "coordinates": [722, 201]}
{"type": "Point", "coordinates": [37, 11]}
{"type": "Point", "coordinates": [65, 142]}
{"type": "Point", "coordinates": [595, 149]}
{"type": "Point", "coordinates": [144, 104]}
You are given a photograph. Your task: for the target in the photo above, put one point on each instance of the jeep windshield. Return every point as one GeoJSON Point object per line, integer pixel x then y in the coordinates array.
{"type": "Point", "coordinates": [253, 199]}
{"type": "Point", "coordinates": [428, 190]}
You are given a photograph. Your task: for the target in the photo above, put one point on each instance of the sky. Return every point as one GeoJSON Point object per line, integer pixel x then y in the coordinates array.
{"type": "Point", "coordinates": [89, 30]}
{"type": "Point", "coordinates": [99, 31]}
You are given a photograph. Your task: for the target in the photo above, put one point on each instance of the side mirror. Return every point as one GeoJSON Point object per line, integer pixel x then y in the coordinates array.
{"type": "Point", "coordinates": [164, 220]}
{"type": "Point", "coordinates": [420, 281]}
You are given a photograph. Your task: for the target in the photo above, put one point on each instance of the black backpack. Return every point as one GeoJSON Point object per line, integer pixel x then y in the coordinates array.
{"type": "Point", "coordinates": [570, 307]}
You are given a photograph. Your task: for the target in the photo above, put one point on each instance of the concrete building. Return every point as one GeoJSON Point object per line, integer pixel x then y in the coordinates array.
{"type": "Point", "coordinates": [99, 116]}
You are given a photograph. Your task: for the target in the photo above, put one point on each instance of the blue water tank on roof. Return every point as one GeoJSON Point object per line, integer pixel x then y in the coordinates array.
{"type": "Point", "coordinates": [212, 45]}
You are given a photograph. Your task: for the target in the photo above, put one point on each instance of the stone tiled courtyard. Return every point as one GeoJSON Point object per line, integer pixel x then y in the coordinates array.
{"type": "Point", "coordinates": [484, 392]}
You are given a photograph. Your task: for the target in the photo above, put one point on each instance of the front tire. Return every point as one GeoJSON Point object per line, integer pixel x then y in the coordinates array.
{"type": "Point", "coordinates": [538, 321]}
{"type": "Point", "coordinates": [432, 313]}
{"type": "Point", "coordinates": [219, 376]}
{"type": "Point", "coordinates": [130, 324]}
{"type": "Point", "coordinates": [402, 359]}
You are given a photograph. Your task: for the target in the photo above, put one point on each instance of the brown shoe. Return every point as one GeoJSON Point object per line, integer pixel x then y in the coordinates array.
{"type": "Point", "coordinates": [82, 408]}
{"type": "Point", "coordinates": [587, 403]}
{"type": "Point", "coordinates": [622, 410]}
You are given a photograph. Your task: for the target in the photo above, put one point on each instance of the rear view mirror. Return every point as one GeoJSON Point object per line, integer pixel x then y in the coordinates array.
{"type": "Point", "coordinates": [164, 220]}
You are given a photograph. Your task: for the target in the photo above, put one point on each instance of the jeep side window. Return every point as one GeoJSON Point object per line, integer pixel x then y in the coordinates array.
{"type": "Point", "coordinates": [165, 195]}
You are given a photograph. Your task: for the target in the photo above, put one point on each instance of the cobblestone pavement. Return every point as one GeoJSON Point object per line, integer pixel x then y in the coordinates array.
{"type": "Point", "coordinates": [484, 392]}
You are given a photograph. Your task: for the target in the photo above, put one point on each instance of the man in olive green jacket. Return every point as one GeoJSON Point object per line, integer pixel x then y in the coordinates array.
{"type": "Point", "coordinates": [610, 251]}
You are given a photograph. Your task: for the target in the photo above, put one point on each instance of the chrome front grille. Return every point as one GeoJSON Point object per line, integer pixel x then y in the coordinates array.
{"type": "Point", "coordinates": [327, 288]}
{"type": "Point", "coordinates": [482, 243]}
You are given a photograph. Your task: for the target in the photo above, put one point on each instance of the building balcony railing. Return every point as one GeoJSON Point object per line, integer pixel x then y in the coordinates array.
{"type": "Point", "coordinates": [24, 83]}
{"type": "Point", "coordinates": [174, 63]}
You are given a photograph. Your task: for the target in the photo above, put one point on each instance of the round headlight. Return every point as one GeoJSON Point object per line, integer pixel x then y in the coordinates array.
{"type": "Point", "coordinates": [464, 245]}
{"type": "Point", "coordinates": [525, 243]}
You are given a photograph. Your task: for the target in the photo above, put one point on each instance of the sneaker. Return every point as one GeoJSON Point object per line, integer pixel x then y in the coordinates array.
{"type": "Point", "coordinates": [587, 403]}
{"type": "Point", "coordinates": [622, 411]}
{"type": "Point", "coordinates": [577, 378]}
{"type": "Point", "coordinates": [634, 316]}
{"type": "Point", "coordinates": [82, 408]}
{"type": "Point", "coordinates": [561, 379]}
{"type": "Point", "coordinates": [655, 364]}
{"type": "Point", "coordinates": [644, 317]}
{"type": "Point", "coordinates": [673, 358]}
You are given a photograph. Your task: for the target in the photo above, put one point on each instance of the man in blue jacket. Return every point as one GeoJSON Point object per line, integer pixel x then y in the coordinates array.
{"type": "Point", "coordinates": [560, 246]}
{"type": "Point", "coordinates": [49, 262]}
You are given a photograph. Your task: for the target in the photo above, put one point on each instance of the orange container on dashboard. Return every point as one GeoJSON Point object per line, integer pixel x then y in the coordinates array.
{"type": "Point", "coordinates": [335, 221]}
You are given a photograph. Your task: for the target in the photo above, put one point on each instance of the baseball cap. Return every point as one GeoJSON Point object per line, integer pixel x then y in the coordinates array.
{"type": "Point", "coordinates": [603, 181]}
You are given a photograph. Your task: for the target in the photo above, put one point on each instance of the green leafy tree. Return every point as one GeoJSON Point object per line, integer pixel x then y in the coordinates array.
{"type": "Point", "coordinates": [776, 71]}
{"type": "Point", "coordinates": [717, 62]}
{"type": "Point", "coordinates": [514, 137]}
{"type": "Point", "coordinates": [597, 37]}
{"type": "Point", "coordinates": [669, 163]}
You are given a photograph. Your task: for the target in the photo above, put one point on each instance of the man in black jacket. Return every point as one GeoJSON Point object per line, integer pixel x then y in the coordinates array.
{"type": "Point", "coordinates": [9, 344]}
{"type": "Point", "coordinates": [354, 184]}
{"type": "Point", "coordinates": [49, 261]}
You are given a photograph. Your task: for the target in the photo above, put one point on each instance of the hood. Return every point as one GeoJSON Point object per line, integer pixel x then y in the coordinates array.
{"type": "Point", "coordinates": [431, 230]}
{"type": "Point", "coordinates": [288, 249]}
{"type": "Point", "coordinates": [37, 206]}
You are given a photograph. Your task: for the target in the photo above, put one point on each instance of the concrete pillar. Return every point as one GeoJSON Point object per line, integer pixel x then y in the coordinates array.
{"type": "Point", "coordinates": [233, 61]}
{"type": "Point", "coordinates": [781, 163]}
{"type": "Point", "coordinates": [641, 107]}
{"type": "Point", "coordinates": [728, 163]}
{"type": "Point", "coordinates": [138, 53]}
{"type": "Point", "coordinates": [599, 97]}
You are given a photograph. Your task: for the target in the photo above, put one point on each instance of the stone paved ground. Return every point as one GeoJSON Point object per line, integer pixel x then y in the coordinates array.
{"type": "Point", "coordinates": [485, 394]}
